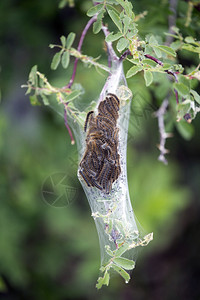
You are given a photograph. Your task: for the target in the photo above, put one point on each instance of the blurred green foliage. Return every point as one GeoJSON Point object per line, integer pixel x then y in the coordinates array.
{"type": "Point", "coordinates": [53, 253]}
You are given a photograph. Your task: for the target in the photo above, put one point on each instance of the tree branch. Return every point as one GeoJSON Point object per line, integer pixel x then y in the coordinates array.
{"type": "Point", "coordinates": [163, 135]}
{"type": "Point", "coordinates": [89, 23]}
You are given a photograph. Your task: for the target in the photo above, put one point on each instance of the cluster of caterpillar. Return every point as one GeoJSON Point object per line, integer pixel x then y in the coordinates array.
{"type": "Point", "coordinates": [100, 165]}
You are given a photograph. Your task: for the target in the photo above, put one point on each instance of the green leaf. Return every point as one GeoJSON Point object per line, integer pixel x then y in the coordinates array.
{"type": "Point", "coordinates": [149, 62]}
{"type": "Point", "coordinates": [103, 280]}
{"type": "Point", "coordinates": [127, 21]}
{"type": "Point", "coordinates": [97, 26]}
{"type": "Point", "coordinates": [189, 39]}
{"type": "Point", "coordinates": [115, 18]}
{"type": "Point", "coordinates": [124, 263]}
{"type": "Point", "coordinates": [121, 272]}
{"type": "Point", "coordinates": [175, 29]}
{"type": "Point", "coordinates": [184, 80]}
{"type": "Point", "coordinates": [72, 95]}
{"type": "Point", "coordinates": [122, 44]}
{"type": "Point", "coordinates": [181, 88]}
{"type": "Point", "coordinates": [55, 61]}
{"type": "Point", "coordinates": [196, 96]}
{"type": "Point", "coordinates": [70, 40]}
{"type": "Point", "coordinates": [122, 249]}
{"type": "Point", "coordinates": [191, 48]}
{"type": "Point", "coordinates": [153, 41]}
{"type": "Point", "coordinates": [157, 51]}
{"type": "Point", "coordinates": [183, 108]}
{"type": "Point", "coordinates": [34, 100]}
{"type": "Point", "coordinates": [185, 129]}
{"type": "Point", "coordinates": [65, 59]}
{"type": "Point", "coordinates": [33, 75]}
{"type": "Point", "coordinates": [45, 99]}
{"type": "Point", "coordinates": [176, 45]}
{"type": "Point", "coordinates": [113, 37]}
{"type": "Point", "coordinates": [108, 250]}
{"type": "Point", "coordinates": [52, 46]}
{"type": "Point", "coordinates": [133, 70]}
{"type": "Point", "coordinates": [148, 77]}
{"type": "Point", "coordinates": [94, 10]}
{"type": "Point", "coordinates": [127, 7]}
{"type": "Point", "coordinates": [63, 40]}
{"type": "Point", "coordinates": [167, 50]}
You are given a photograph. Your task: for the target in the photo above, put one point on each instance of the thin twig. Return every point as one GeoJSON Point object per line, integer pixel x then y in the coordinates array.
{"type": "Point", "coordinates": [67, 126]}
{"type": "Point", "coordinates": [163, 135]}
{"type": "Point", "coordinates": [89, 23]}
{"type": "Point", "coordinates": [124, 55]}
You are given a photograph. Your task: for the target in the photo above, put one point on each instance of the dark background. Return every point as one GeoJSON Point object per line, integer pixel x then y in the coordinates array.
{"type": "Point", "coordinates": [49, 252]}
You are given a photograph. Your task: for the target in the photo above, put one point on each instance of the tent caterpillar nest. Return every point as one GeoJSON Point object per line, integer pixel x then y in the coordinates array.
{"type": "Point", "coordinates": [100, 165]}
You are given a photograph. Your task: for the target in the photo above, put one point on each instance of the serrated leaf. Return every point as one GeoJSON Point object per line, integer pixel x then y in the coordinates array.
{"type": "Point", "coordinates": [65, 59]}
{"type": "Point", "coordinates": [115, 18]}
{"type": "Point", "coordinates": [167, 50]}
{"type": "Point", "coordinates": [133, 70]}
{"type": "Point", "coordinates": [56, 60]}
{"type": "Point", "coordinates": [94, 10]}
{"type": "Point", "coordinates": [63, 40]}
{"type": "Point", "coordinates": [196, 96]}
{"type": "Point", "coordinates": [70, 40]}
{"type": "Point", "coordinates": [122, 44]}
{"type": "Point", "coordinates": [97, 26]}
{"type": "Point", "coordinates": [181, 88]}
{"type": "Point", "coordinates": [34, 100]}
{"type": "Point", "coordinates": [185, 129]}
{"type": "Point", "coordinates": [125, 263]}
{"type": "Point", "coordinates": [148, 77]}
{"type": "Point", "coordinates": [121, 272]}
{"type": "Point", "coordinates": [113, 37]}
